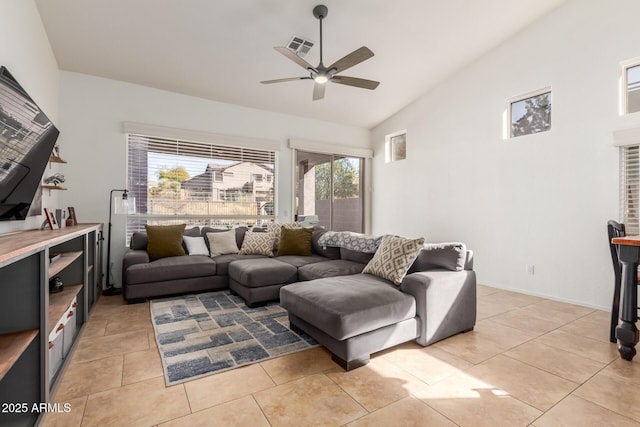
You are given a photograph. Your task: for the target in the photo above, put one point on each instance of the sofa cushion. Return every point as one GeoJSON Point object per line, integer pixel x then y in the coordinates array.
{"type": "Point", "coordinates": [330, 252]}
{"type": "Point", "coordinates": [299, 260]}
{"type": "Point", "coordinates": [450, 256]}
{"type": "Point", "coordinates": [164, 240]}
{"type": "Point", "coordinates": [255, 273]}
{"type": "Point", "coordinates": [394, 257]}
{"type": "Point", "coordinates": [195, 245]}
{"type": "Point", "coordinates": [223, 261]}
{"type": "Point", "coordinates": [171, 268]}
{"type": "Point", "coordinates": [346, 306]}
{"type": "Point", "coordinates": [295, 242]}
{"type": "Point", "coordinates": [350, 255]}
{"type": "Point", "coordinates": [257, 244]}
{"type": "Point", "coordinates": [138, 241]}
{"type": "Point", "coordinates": [331, 268]}
{"type": "Point", "coordinates": [222, 243]}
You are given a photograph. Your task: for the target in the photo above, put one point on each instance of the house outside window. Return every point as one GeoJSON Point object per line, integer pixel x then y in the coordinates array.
{"type": "Point", "coordinates": [530, 113]}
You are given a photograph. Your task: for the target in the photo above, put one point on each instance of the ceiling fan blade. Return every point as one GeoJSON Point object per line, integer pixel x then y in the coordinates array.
{"type": "Point", "coordinates": [289, 79]}
{"type": "Point", "coordinates": [354, 81]}
{"type": "Point", "coordinates": [318, 91]}
{"type": "Point", "coordinates": [295, 58]}
{"type": "Point", "coordinates": [354, 58]}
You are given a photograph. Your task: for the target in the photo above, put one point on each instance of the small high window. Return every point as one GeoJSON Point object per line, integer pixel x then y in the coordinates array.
{"type": "Point", "coordinates": [395, 147]}
{"type": "Point", "coordinates": [631, 87]}
{"type": "Point", "coordinates": [530, 113]}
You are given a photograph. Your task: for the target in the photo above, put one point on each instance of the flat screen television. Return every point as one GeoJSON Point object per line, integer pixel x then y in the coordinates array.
{"type": "Point", "coordinates": [27, 138]}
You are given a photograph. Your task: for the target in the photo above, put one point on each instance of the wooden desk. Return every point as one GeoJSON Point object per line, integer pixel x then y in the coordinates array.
{"type": "Point", "coordinates": [627, 332]}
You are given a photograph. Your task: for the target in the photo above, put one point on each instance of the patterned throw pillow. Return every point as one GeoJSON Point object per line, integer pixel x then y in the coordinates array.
{"type": "Point", "coordinates": [256, 243]}
{"type": "Point", "coordinates": [394, 257]}
{"type": "Point", "coordinates": [276, 230]}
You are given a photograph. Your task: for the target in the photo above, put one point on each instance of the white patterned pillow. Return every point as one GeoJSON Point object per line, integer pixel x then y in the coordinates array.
{"type": "Point", "coordinates": [257, 243]}
{"type": "Point", "coordinates": [276, 229]}
{"type": "Point", "coordinates": [394, 257]}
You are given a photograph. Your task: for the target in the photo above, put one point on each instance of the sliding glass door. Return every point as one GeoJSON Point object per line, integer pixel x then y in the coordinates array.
{"type": "Point", "coordinates": [330, 187]}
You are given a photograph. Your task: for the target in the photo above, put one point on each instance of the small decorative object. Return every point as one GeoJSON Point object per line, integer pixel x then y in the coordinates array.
{"type": "Point", "coordinates": [72, 216]}
{"type": "Point", "coordinates": [56, 149]}
{"type": "Point", "coordinates": [55, 179]}
{"type": "Point", "coordinates": [61, 218]}
{"type": "Point", "coordinates": [51, 220]}
{"type": "Point", "coordinates": [55, 285]}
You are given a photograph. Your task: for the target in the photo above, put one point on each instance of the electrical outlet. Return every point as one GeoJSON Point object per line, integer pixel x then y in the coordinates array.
{"type": "Point", "coordinates": [531, 269]}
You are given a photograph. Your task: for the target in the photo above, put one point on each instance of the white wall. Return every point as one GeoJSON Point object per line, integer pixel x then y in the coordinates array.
{"type": "Point", "coordinates": [25, 51]}
{"type": "Point", "coordinates": [541, 199]}
{"type": "Point", "coordinates": [93, 109]}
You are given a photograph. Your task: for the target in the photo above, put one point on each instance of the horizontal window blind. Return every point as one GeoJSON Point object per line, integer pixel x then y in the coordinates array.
{"type": "Point", "coordinates": [630, 188]}
{"type": "Point", "coordinates": [198, 183]}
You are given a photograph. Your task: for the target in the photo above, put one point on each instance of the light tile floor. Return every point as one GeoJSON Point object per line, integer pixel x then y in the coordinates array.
{"type": "Point", "coordinates": [529, 362]}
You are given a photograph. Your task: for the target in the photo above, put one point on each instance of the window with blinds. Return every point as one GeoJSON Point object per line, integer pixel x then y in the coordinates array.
{"type": "Point", "coordinates": [630, 188]}
{"type": "Point", "coordinates": [200, 184]}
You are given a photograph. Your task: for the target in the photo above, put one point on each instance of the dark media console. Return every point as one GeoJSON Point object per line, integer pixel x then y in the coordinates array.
{"type": "Point", "coordinates": [38, 329]}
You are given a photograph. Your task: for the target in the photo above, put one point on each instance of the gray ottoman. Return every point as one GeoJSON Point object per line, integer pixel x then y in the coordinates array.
{"type": "Point", "coordinates": [259, 280]}
{"type": "Point", "coordinates": [352, 316]}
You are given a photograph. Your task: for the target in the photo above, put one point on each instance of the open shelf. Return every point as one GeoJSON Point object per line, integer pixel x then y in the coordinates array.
{"type": "Point", "coordinates": [59, 302]}
{"type": "Point", "coordinates": [56, 159]}
{"type": "Point", "coordinates": [52, 187]}
{"type": "Point", "coordinates": [12, 346]}
{"type": "Point", "coordinates": [59, 264]}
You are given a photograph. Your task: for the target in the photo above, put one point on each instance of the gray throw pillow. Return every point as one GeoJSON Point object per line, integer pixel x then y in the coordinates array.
{"type": "Point", "coordinates": [449, 255]}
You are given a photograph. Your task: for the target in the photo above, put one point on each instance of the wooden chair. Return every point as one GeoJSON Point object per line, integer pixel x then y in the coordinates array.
{"type": "Point", "coordinates": [615, 229]}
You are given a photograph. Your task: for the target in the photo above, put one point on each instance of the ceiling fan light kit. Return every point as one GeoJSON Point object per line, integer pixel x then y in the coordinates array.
{"type": "Point", "coordinates": [322, 74]}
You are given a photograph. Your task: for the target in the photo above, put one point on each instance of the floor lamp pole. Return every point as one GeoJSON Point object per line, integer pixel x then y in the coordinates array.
{"type": "Point", "coordinates": [111, 289]}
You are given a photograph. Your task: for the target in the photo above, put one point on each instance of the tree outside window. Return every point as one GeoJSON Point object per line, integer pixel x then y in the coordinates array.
{"type": "Point", "coordinates": [531, 115]}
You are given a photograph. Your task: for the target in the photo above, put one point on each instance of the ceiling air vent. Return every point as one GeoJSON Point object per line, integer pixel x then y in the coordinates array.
{"type": "Point", "coordinates": [300, 45]}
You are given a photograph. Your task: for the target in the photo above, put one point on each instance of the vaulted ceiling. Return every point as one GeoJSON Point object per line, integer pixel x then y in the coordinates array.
{"type": "Point", "coordinates": [222, 49]}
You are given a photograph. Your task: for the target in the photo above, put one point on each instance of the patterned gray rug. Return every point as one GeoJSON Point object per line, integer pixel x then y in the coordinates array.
{"type": "Point", "coordinates": [204, 334]}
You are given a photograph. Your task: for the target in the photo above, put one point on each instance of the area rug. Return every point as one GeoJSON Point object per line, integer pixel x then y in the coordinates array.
{"type": "Point", "coordinates": [208, 333]}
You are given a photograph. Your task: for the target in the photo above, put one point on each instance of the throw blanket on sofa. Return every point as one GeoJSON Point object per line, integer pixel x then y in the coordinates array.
{"type": "Point", "coordinates": [350, 240]}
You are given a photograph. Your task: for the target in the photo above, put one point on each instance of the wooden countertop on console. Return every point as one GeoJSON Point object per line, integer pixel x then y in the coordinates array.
{"type": "Point", "coordinates": [23, 243]}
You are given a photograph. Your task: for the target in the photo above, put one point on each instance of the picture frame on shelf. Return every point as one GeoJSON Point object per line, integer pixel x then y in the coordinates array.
{"type": "Point", "coordinates": [51, 219]}
{"type": "Point", "coordinates": [73, 220]}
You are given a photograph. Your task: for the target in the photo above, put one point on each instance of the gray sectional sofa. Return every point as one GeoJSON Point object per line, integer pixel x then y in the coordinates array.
{"type": "Point", "coordinates": [326, 294]}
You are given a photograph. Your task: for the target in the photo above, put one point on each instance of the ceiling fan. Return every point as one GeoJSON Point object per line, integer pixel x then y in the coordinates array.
{"type": "Point", "coordinates": [322, 74]}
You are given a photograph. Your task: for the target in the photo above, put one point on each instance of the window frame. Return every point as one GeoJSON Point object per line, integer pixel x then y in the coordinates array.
{"type": "Point", "coordinates": [523, 97]}
{"type": "Point", "coordinates": [389, 140]}
{"type": "Point", "coordinates": [211, 142]}
{"type": "Point", "coordinates": [624, 66]}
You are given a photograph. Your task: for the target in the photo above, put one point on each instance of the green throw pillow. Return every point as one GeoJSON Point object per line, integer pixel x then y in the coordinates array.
{"type": "Point", "coordinates": [164, 240]}
{"type": "Point", "coordinates": [295, 241]}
